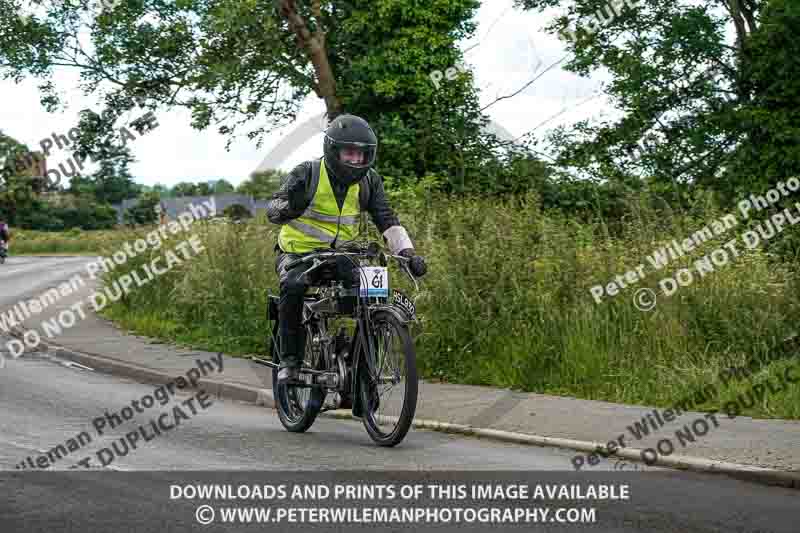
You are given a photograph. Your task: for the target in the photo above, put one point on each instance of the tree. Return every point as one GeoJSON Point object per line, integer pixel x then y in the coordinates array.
{"type": "Point", "coordinates": [770, 119]}
{"type": "Point", "coordinates": [236, 212]}
{"type": "Point", "coordinates": [162, 190]}
{"type": "Point", "coordinates": [234, 63]}
{"type": "Point", "coordinates": [185, 188]}
{"type": "Point", "coordinates": [144, 211]}
{"type": "Point", "coordinates": [204, 189]}
{"type": "Point", "coordinates": [261, 184]}
{"type": "Point", "coordinates": [18, 186]}
{"type": "Point", "coordinates": [223, 187]}
{"type": "Point", "coordinates": [112, 182]}
{"type": "Point", "coordinates": [687, 93]}
{"type": "Point", "coordinates": [80, 185]}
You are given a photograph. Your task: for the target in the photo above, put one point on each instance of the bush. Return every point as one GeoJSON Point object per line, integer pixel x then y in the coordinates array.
{"type": "Point", "coordinates": [143, 212]}
{"type": "Point", "coordinates": [80, 213]}
{"type": "Point", "coordinates": [92, 217]}
{"type": "Point", "coordinates": [236, 212]}
{"type": "Point", "coordinates": [40, 220]}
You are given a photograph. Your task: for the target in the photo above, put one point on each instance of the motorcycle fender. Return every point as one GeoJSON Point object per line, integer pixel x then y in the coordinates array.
{"type": "Point", "coordinates": [272, 307]}
{"type": "Point", "coordinates": [398, 313]}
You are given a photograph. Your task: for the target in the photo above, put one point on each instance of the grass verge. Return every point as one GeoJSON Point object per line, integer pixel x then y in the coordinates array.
{"type": "Point", "coordinates": [508, 303]}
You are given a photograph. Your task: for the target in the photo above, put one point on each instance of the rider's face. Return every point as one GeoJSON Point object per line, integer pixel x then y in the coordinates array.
{"type": "Point", "coordinates": [353, 156]}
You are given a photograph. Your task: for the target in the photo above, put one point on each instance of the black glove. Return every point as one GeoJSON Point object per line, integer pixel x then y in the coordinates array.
{"type": "Point", "coordinates": [417, 264]}
{"type": "Point", "coordinates": [297, 196]}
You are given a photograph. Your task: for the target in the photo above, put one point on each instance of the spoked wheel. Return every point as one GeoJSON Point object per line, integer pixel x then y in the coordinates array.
{"type": "Point", "coordinates": [299, 406]}
{"type": "Point", "coordinates": [389, 399]}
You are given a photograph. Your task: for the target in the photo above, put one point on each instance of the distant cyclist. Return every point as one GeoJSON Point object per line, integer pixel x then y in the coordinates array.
{"type": "Point", "coordinates": [5, 234]}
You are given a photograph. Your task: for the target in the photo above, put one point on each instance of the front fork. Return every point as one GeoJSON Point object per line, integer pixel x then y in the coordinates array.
{"type": "Point", "coordinates": [363, 359]}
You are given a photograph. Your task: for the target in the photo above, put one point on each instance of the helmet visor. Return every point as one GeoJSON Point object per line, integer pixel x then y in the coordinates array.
{"type": "Point", "coordinates": [354, 154]}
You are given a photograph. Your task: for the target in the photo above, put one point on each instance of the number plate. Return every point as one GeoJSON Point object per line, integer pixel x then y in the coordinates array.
{"type": "Point", "coordinates": [375, 282]}
{"type": "Point", "coordinates": [404, 302]}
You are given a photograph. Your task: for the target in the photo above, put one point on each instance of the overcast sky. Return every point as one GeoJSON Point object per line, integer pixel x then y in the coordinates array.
{"type": "Point", "coordinates": [508, 48]}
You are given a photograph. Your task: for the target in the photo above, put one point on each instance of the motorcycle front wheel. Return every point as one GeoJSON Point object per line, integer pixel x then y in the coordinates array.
{"type": "Point", "coordinates": [389, 398]}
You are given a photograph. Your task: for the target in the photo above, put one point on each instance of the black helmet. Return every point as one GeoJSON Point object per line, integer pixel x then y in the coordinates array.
{"type": "Point", "coordinates": [349, 131]}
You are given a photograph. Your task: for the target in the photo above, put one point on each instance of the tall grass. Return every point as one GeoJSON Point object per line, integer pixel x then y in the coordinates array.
{"type": "Point", "coordinates": [507, 302]}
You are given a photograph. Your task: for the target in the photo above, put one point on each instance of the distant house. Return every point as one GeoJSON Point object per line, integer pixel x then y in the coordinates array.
{"type": "Point", "coordinates": [172, 207]}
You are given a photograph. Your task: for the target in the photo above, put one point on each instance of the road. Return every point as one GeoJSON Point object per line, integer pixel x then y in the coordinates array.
{"type": "Point", "coordinates": [46, 403]}
{"type": "Point", "coordinates": [27, 276]}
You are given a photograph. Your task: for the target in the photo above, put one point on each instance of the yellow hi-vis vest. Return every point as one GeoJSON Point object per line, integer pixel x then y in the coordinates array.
{"type": "Point", "coordinates": [317, 226]}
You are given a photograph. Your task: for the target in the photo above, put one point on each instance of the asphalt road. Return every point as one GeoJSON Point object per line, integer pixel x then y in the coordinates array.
{"type": "Point", "coordinates": [25, 276]}
{"type": "Point", "coordinates": [46, 403]}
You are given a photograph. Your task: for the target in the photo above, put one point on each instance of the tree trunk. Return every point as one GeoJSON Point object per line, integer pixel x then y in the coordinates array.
{"type": "Point", "coordinates": [314, 45]}
{"type": "Point", "coordinates": [742, 13]}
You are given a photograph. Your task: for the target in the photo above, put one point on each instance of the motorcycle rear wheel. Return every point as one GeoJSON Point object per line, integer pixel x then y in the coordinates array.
{"type": "Point", "coordinates": [298, 407]}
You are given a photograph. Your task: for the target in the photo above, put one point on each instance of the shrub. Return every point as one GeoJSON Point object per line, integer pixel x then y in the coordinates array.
{"type": "Point", "coordinates": [236, 212]}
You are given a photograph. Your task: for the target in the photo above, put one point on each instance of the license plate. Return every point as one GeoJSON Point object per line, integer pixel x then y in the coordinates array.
{"type": "Point", "coordinates": [404, 302]}
{"type": "Point", "coordinates": [375, 282]}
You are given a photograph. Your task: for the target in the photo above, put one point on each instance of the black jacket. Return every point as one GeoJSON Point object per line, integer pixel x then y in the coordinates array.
{"type": "Point", "coordinates": [372, 198]}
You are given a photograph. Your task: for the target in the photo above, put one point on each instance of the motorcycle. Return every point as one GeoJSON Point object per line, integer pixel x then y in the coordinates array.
{"type": "Point", "coordinates": [358, 371]}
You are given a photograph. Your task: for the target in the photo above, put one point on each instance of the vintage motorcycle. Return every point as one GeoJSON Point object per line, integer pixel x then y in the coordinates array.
{"type": "Point", "coordinates": [374, 371]}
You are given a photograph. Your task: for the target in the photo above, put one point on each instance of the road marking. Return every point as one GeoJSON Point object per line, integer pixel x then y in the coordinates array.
{"type": "Point", "coordinates": [18, 445]}
{"type": "Point", "coordinates": [4, 271]}
{"type": "Point", "coordinates": [72, 364]}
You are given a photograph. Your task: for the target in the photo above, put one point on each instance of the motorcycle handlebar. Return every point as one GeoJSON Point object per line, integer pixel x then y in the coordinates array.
{"type": "Point", "coordinates": [371, 251]}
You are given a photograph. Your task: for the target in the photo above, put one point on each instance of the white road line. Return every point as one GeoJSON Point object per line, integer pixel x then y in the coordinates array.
{"type": "Point", "coordinates": [4, 271]}
{"type": "Point", "coordinates": [18, 445]}
{"type": "Point", "coordinates": [72, 364]}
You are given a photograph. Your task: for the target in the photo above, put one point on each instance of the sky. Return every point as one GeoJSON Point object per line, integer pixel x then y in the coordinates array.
{"type": "Point", "coordinates": [509, 49]}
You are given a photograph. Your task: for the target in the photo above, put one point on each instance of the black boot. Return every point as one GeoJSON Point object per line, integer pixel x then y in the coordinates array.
{"type": "Point", "coordinates": [292, 342]}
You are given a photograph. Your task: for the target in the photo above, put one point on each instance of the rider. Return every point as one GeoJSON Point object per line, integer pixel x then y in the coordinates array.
{"type": "Point", "coordinates": [318, 205]}
{"type": "Point", "coordinates": [5, 234]}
